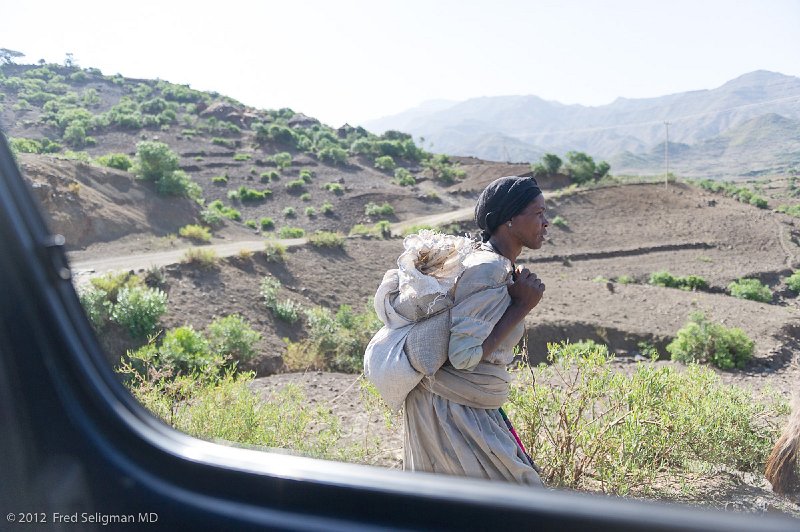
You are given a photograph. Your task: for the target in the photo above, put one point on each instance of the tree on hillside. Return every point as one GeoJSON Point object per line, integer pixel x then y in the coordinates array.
{"type": "Point", "coordinates": [602, 169]}
{"type": "Point", "coordinates": [7, 56]}
{"type": "Point", "coordinates": [548, 165]}
{"type": "Point", "coordinates": [582, 168]}
{"type": "Point", "coordinates": [552, 163]}
{"type": "Point", "coordinates": [69, 60]}
{"type": "Point", "coordinates": [156, 162]}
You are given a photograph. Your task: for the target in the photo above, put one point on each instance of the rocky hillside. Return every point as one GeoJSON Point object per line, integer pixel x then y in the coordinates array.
{"type": "Point", "coordinates": [264, 170]}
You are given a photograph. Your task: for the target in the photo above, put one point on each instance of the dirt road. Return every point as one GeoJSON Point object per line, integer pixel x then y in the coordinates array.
{"type": "Point", "coordinates": [83, 267]}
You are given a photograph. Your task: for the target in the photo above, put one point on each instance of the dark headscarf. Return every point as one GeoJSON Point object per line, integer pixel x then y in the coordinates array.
{"type": "Point", "coordinates": [503, 199]}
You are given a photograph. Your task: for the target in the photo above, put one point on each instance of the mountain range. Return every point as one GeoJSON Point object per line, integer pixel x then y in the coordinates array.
{"type": "Point", "coordinates": [748, 126]}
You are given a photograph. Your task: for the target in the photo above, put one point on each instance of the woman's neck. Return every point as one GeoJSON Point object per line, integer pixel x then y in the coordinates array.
{"type": "Point", "coordinates": [505, 248]}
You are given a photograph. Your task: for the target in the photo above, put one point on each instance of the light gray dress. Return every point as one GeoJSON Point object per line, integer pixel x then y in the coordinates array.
{"type": "Point", "coordinates": [452, 422]}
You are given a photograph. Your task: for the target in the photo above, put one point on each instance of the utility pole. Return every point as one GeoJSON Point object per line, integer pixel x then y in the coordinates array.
{"type": "Point", "coordinates": [666, 156]}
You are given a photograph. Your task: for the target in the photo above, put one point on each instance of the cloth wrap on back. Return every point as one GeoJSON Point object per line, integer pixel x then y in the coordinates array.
{"type": "Point", "coordinates": [503, 199]}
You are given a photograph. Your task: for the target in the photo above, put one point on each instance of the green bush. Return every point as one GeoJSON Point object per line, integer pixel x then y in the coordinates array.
{"type": "Point", "coordinates": [181, 93]}
{"type": "Point", "coordinates": [336, 188]}
{"type": "Point", "coordinates": [742, 194]}
{"type": "Point", "coordinates": [223, 407]}
{"type": "Point", "coordinates": [227, 143]}
{"type": "Point", "coordinates": [220, 180]}
{"type": "Point", "coordinates": [252, 224]}
{"type": "Point", "coordinates": [326, 208]}
{"type": "Point", "coordinates": [271, 175]}
{"type": "Point", "coordinates": [195, 233]}
{"type": "Point", "coordinates": [97, 307]}
{"type": "Point", "coordinates": [138, 309]}
{"type": "Point", "coordinates": [581, 168]}
{"type": "Point", "coordinates": [274, 252]}
{"type": "Point", "coordinates": [372, 209]}
{"type": "Point", "coordinates": [404, 178]}
{"type": "Point", "coordinates": [305, 196]}
{"type": "Point", "coordinates": [791, 210]}
{"type": "Point", "coordinates": [334, 154]}
{"type": "Point", "coordinates": [692, 282]}
{"type": "Point", "coordinates": [311, 212]}
{"type": "Point", "coordinates": [306, 175]}
{"type": "Point", "coordinates": [625, 279]}
{"type": "Point", "coordinates": [287, 310]}
{"type": "Point", "coordinates": [44, 145]}
{"type": "Point", "coordinates": [154, 160]}
{"type": "Point", "coordinates": [666, 279]}
{"type": "Point", "coordinates": [249, 194]}
{"type": "Point", "coordinates": [751, 289]}
{"type": "Point", "coordinates": [443, 169]}
{"type": "Point", "coordinates": [591, 427]}
{"type": "Point", "coordinates": [120, 161]}
{"type": "Point", "coordinates": [219, 208]}
{"type": "Point", "coordinates": [663, 278]}
{"type": "Point", "coordinates": [559, 221]}
{"type": "Point", "coordinates": [703, 341]}
{"type": "Point", "coordinates": [75, 135]}
{"type": "Point", "coordinates": [289, 212]}
{"type": "Point", "coordinates": [416, 228]}
{"type": "Point", "coordinates": [270, 287]}
{"type": "Point", "coordinates": [211, 217]}
{"type": "Point", "coordinates": [282, 160]}
{"type": "Point", "coordinates": [291, 232]}
{"type": "Point", "coordinates": [203, 258]}
{"type": "Point", "coordinates": [336, 342]}
{"type": "Point", "coordinates": [231, 336]}
{"type": "Point", "coordinates": [296, 186]}
{"type": "Point", "coordinates": [179, 184]}
{"type": "Point", "coordinates": [153, 106]}
{"type": "Point", "coordinates": [793, 281]}
{"type": "Point", "coordinates": [361, 230]}
{"type": "Point", "coordinates": [382, 229]}
{"type": "Point", "coordinates": [184, 349]}
{"type": "Point", "coordinates": [266, 223]}
{"type": "Point", "coordinates": [385, 163]}
{"type": "Point", "coordinates": [112, 282]}
{"type": "Point", "coordinates": [326, 239]}
{"type": "Point", "coordinates": [242, 157]}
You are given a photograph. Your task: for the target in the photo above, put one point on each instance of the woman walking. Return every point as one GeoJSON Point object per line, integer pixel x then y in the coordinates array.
{"type": "Point", "coordinates": [454, 423]}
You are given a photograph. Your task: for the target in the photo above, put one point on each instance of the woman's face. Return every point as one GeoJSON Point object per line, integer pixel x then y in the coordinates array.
{"type": "Point", "coordinates": [530, 225]}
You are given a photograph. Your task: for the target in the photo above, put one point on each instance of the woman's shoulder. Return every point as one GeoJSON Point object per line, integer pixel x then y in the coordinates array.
{"type": "Point", "coordinates": [486, 267]}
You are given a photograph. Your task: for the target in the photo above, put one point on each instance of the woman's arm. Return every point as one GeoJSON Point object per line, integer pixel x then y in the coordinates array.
{"type": "Point", "coordinates": [525, 292]}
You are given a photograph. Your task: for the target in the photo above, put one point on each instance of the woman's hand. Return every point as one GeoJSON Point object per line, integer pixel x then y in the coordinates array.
{"type": "Point", "coordinates": [527, 290]}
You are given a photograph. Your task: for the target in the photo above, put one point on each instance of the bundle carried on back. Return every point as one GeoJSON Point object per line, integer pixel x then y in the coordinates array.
{"type": "Point", "coordinates": [413, 302]}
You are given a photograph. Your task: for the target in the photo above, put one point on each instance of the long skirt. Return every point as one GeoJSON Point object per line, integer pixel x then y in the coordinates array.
{"type": "Point", "coordinates": [445, 437]}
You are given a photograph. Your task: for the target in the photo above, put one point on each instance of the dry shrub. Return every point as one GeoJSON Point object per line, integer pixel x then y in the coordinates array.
{"type": "Point", "coordinates": [205, 258]}
{"type": "Point", "coordinates": [590, 427]}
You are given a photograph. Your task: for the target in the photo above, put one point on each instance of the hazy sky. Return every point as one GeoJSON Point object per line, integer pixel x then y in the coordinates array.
{"type": "Point", "coordinates": [353, 60]}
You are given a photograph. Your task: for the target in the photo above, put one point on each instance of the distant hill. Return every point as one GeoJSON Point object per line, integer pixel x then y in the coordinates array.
{"type": "Point", "coordinates": [627, 131]}
{"type": "Point", "coordinates": [768, 144]}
